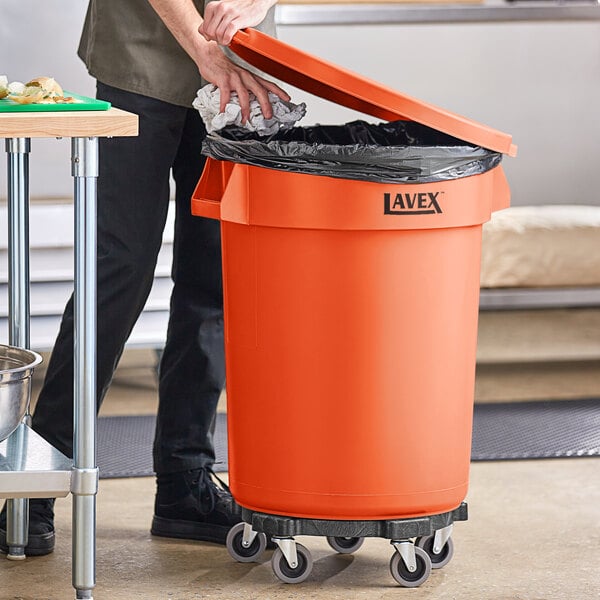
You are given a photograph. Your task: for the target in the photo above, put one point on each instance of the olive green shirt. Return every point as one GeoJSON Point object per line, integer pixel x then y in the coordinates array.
{"type": "Point", "coordinates": [125, 44]}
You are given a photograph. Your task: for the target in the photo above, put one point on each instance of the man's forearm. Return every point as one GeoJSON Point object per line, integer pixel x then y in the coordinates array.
{"type": "Point", "coordinates": [182, 19]}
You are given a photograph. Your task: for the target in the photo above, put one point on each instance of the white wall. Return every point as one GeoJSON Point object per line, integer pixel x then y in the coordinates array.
{"type": "Point", "coordinates": [538, 81]}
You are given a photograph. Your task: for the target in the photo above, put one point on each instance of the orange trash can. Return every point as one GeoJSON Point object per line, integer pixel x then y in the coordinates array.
{"type": "Point", "coordinates": [350, 335]}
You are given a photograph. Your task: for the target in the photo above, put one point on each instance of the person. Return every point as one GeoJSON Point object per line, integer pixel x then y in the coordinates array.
{"type": "Point", "coordinates": [150, 58]}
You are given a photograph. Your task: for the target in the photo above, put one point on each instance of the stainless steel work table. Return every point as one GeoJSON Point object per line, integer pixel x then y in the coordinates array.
{"type": "Point", "coordinates": [29, 466]}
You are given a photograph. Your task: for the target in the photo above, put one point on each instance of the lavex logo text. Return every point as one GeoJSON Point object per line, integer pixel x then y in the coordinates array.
{"type": "Point", "coordinates": [422, 203]}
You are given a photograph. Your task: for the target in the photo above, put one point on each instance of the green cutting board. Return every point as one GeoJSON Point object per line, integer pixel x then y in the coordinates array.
{"type": "Point", "coordinates": [81, 103]}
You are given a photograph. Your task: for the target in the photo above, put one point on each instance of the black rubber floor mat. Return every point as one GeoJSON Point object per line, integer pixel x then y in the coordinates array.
{"type": "Point", "coordinates": [125, 446]}
{"type": "Point", "coordinates": [502, 431]}
{"type": "Point", "coordinates": [540, 429]}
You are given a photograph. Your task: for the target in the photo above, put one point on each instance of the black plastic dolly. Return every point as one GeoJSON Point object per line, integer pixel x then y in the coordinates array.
{"type": "Point", "coordinates": [420, 544]}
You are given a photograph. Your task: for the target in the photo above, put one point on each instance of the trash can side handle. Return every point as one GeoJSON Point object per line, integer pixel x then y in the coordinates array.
{"type": "Point", "coordinates": [501, 193]}
{"type": "Point", "coordinates": [206, 200]}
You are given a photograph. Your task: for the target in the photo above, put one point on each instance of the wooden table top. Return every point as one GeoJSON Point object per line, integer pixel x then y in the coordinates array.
{"type": "Point", "coordinates": [92, 123]}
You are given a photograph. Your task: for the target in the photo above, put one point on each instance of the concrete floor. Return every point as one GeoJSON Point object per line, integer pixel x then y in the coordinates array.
{"type": "Point", "coordinates": [533, 531]}
{"type": "Point", "coordinates": [532, 534]}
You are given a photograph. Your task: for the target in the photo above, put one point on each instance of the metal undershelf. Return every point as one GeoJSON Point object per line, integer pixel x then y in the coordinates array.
{"type": "Point", "coordinates": [32, 468]}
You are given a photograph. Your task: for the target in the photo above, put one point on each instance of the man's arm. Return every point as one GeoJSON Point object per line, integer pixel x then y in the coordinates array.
{"type": "Point", "coordinates": [183, 21]}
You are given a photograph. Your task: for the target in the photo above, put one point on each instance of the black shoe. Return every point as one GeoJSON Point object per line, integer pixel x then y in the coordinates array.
{"type": "Point", "coordinates": [190, 505]}
{"type": "Point", "coordinates": [41, 537]}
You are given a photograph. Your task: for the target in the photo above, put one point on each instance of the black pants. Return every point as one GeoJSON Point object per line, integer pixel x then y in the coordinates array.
{"type": "Point", "coordinates": [133, 197]}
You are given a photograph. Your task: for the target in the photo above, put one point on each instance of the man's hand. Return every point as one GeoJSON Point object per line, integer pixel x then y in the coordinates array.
{"type": "Point", "coordinates": [184, 22]}
{"type": "Point", "coordinates": [223, 19]}
{"type": "Point", "coordinates": [229, 77]}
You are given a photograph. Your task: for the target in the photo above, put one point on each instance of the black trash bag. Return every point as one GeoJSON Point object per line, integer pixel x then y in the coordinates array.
{"type": "Point", "coordinates": [395, 152]}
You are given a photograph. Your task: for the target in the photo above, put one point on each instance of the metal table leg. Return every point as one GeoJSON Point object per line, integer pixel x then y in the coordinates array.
{"type": "Point", "coordinates": [84, 480]}
{"type": "Point", "coordinates": [18, 306]}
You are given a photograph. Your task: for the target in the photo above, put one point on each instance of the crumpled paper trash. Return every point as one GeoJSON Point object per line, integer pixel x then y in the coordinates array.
{"type": "Point", "coordinates": [207, 103]}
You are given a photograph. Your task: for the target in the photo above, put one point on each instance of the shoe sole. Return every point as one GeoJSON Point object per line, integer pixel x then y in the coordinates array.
{"type": "Point", "coordinates": [189, 530]}
{"type": "Point", "coordinates": [37, 544]}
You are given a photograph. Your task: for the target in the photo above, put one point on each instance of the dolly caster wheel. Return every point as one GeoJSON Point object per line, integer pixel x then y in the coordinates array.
{"type": "Point", "coordinates": [442, 557]}
{"type": "Point", "coordinates": [345, 545]}
{"type": "Point", "coordinates": [244, 544]}
{"type": "Point", "coordinates": [295, 573]}
{"type": "Point", "coordinates": [401, 571]}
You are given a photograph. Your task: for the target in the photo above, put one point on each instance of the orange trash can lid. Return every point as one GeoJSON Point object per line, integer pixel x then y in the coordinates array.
{"type": "Point", "coordinates": [344, 87]}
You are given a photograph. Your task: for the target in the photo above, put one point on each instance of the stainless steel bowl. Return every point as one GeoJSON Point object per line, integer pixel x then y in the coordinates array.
{"type": "Point", "coordinates": [16, 368]}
